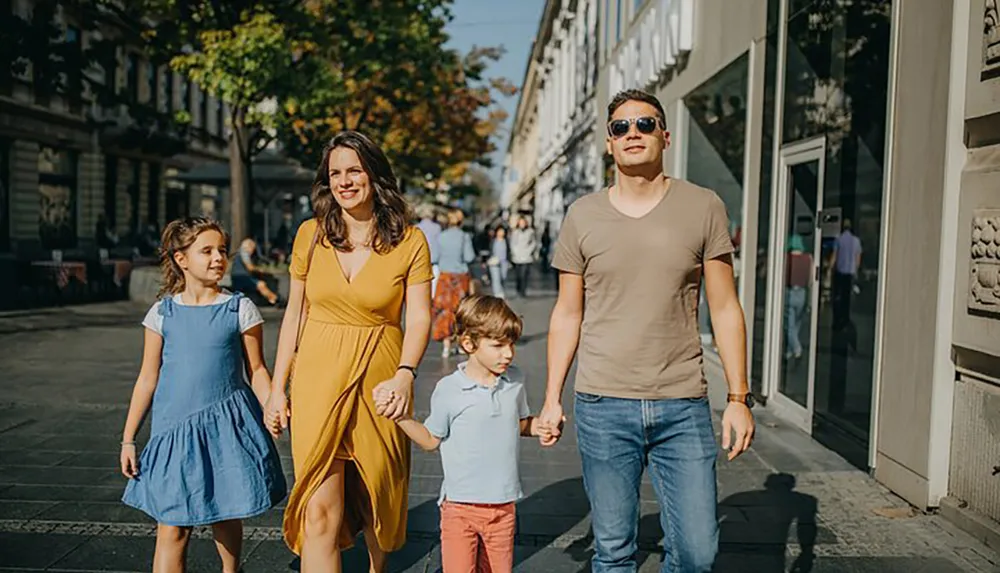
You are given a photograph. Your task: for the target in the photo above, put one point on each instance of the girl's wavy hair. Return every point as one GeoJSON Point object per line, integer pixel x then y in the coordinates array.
{"type": "Point", "coordinates": [392, 212]}
{"type": "Point", "coordinates": [178, 236]}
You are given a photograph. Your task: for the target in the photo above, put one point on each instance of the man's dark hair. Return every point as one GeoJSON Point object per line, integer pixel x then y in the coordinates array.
{"type": "Point", "coordinates": [636, 95]}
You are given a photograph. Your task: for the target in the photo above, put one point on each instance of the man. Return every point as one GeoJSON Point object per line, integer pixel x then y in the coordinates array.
{"type": "Point", "coordinates": [846, 261]}
{"type": "Point", "coordinates": [247, 277]}
{"type": "Point", "coordinates": [631, 259]}
{"type": "Point", "coordinates": [432, 231]}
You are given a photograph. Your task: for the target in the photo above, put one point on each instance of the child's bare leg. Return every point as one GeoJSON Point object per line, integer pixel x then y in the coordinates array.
{"type": "Point", "coordinates": [229, 543]}
{"type": "Point", "coordinates": [171, 549]}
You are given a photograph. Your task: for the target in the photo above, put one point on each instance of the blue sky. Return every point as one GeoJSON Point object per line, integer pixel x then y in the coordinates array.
{"type": "Point", "coordinates": [508, 23]}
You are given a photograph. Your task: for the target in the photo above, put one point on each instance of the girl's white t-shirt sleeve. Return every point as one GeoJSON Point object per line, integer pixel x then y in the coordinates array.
{"type": "Point", "coordinates": [249, 315]}
{"type": "Point", "coordinates": [154, 320]}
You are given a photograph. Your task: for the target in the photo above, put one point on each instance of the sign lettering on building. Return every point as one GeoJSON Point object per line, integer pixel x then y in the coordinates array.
{"type": "Point", "coordinates": [665, 32]}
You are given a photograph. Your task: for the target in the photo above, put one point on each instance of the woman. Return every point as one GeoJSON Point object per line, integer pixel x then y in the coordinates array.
{"type": "Point", "coordinates": [798, 279]}
{"type": "Point", "coordinates": [523, 248]}
{"type": "Point", "coordinates": [357, 263]}
{"type": "Point", "coordinates": [498, 261]}
{"type": "Point", "coordinates": [456, 254]}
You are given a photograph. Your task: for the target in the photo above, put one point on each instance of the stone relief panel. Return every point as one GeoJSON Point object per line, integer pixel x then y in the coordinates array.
{"type": "Point", "coordinates": [991, 40]}
{"type": "Point", "coordinates": [984, 279]}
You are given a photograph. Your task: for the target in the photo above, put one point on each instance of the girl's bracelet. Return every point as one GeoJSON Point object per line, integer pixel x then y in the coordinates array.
{"type": "Point", "coordinates": [128, 444]}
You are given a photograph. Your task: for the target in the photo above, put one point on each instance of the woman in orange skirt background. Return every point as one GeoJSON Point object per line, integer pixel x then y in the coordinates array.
{"type": "Point", "coordinates": [456, 253]}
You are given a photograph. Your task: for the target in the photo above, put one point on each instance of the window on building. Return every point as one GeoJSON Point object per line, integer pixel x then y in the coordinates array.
{"type": "Point", "coordinates": [151, 83]}
{"type": "Point", "coordinates": [220, 118]}
{"type": "Point", "coordinates": [111, 192]}
{"type": "Point", "coordinates": [4, 196]}
{"type": "Point", "coordinates": [607, 26]}
{"type": "Point", "coordinates": [57, 189]}
{"type": "Point", "coordinates": [74, 61]}
{"type": "Point", "coordinates": [132, 76]}
{"type": "Point", "coordinates": [715, 139]}
{"type": "Point", "coordinates": [185, 94]}
{"type": "Point", "coordinates": [153, 195]}
{"type": "Point", "coordinates": [165, 90]}
{"type": "Point", "coordinates": [203, 109]}
{"type": "Point", "coordinates": [618, 20]}
{"type": "Point", "coordinates": [134, 217]}
{"type": "Point", "coordinates": [110, 71]}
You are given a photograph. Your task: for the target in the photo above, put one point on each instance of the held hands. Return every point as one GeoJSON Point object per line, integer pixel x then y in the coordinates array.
{"type": "Point", "coordinates": [737, 429]}
{"type": "Point", "coordinates": [392, 398]}
{"type": "Point", "coordinates": [276, 412]}
{"type": "Point", "coordinates": [551, 419]}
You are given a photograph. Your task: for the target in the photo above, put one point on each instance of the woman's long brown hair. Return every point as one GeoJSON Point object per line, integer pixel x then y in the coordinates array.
{"type": "Point", "coordinates": [178, 236]}
{"type": "Point", "coordinates": [391, 211]}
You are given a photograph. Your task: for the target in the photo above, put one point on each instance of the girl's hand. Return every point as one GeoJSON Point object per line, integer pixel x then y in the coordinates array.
{"type": "Point", "coordinates": [401, 388]}
{"type": "Point", "coordinates": [130, 466]}
{"type": "Point", "coordinates": [276, 413]}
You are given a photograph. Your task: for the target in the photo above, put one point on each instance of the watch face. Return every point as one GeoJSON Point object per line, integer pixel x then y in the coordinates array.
{"type": "Point", "coordinates": [750, 401]}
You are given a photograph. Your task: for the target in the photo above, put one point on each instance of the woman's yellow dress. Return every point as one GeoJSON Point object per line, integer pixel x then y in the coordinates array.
{"type": "Point", "coordinates": [351, 342]}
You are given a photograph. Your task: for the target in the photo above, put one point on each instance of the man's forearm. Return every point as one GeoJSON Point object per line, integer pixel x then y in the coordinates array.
{"type": "Point", "coordinates": [731, 338]}
{"type": "Point", "coordinates": [564, 336]}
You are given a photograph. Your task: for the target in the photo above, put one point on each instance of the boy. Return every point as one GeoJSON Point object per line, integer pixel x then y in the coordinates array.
{"type": "Point", "coordinates": [477, 414]}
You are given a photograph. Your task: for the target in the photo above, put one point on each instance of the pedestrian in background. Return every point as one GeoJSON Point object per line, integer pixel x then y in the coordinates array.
{"type": "Point", "coordinates": [209, 459]}
{"type": "Point", "coordinates": [523, 253]}
{"type": "Point", "coordinates": [457, 254]}
{"type": "Point", "coordinates": [498, 261]}
{"type": "Point", "coordinates": [432, 232]}
{"type": "Point", "coordinates": [477, 415]}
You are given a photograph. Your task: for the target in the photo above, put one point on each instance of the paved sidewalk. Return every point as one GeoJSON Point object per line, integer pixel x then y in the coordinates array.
{"type": "Point", "coordinates": [67, 379]}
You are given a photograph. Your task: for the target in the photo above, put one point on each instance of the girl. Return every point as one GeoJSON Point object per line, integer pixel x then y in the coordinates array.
{"type": "Point", "coordinates": [209, 458]}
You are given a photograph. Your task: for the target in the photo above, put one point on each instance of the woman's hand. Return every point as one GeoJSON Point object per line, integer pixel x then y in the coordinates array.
{"type": "Point", "coordinates": [276, 412]}
{"type": "Point", "coordinates": [130, 466]}
{"type": "Point", "coordinates": [400, 388]}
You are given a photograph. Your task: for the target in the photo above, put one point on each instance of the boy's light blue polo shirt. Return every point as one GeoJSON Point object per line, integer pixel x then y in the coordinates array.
{"type": "Point", "coordinates": [480, 436]}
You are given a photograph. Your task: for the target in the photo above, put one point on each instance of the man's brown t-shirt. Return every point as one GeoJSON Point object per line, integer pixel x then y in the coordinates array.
{"type": "Point", "coordinates": [642, 278]}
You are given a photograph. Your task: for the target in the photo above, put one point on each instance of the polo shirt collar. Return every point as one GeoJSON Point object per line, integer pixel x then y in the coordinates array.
{"type": "Point", "coordinates": [470, 384]}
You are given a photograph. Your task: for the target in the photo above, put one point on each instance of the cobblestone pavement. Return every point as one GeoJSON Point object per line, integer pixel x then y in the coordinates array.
{"type": "Point", "coordinates": [67, 376]}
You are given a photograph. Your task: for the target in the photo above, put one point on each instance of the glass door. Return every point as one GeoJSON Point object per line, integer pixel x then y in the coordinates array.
{"type": "Point", "coordinates": [794, 284]}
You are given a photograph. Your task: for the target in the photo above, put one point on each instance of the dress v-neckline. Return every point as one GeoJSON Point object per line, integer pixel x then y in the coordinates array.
{"type": "Point", "coordinates": [343, 273]}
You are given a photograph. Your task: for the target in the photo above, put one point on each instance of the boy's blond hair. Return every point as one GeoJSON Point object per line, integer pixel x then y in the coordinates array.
{"type": "Point", "coordinates": [481, 316]}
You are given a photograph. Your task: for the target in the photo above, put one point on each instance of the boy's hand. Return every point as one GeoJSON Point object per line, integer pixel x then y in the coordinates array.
{"type": "Point", "coordinates": [543, 432]}
{"type": "Point", "coordinates": [383, 398]}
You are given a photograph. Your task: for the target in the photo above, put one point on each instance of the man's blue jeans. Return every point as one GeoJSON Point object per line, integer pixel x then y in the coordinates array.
{"type": "Point", "coordinates": [618, 439]}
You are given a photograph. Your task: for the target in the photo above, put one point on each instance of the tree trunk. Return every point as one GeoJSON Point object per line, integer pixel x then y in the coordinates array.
{"type": "Point", "coordinates": [239, 197]}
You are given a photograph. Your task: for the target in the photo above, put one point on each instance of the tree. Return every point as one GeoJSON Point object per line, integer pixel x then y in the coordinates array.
{"type": "Point", "coordinates": [247, 53]}
{"type": "Point", "coordinates": [384, 70]}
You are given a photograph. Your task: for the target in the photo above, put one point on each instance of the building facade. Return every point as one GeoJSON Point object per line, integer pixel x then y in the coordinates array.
{"type": "Point", "coordinates": [76, 168]}
{"type": "Point", "coordinates": [558, 116]}
{"type": "Point", "coordinates": [855, 145]}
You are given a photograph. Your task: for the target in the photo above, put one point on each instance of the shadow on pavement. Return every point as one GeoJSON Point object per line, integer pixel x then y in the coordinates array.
{"type": "Point", "coordinates": [754, 529]}
{"type": "Point", "coordinates": [548, 514]}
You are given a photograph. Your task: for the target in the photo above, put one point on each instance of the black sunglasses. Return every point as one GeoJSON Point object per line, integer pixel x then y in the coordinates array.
{"type": "Point", "coordinates": [645, 125]}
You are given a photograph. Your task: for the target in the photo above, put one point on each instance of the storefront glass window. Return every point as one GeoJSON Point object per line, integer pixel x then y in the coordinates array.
{"type": "Point", "coordinates": [758, 329]}
{"type": "Point", "coordinates": [836, 85]}
{"type": "Point", "coordinates": [4, 196]}
{"type": "Point", "coordinates": [716, 135]}
{"type": "Point", "coordinates": [57, 193]}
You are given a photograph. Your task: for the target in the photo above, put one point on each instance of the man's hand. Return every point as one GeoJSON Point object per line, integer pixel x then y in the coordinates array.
{"type": "Point", "coordinates": [737, 429]}
{"type": "Point", "coordinates": [552, 418]}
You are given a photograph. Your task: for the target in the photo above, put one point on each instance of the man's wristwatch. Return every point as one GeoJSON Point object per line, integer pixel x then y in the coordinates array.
{"type": "Point", "coordinates": [745, 398]}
